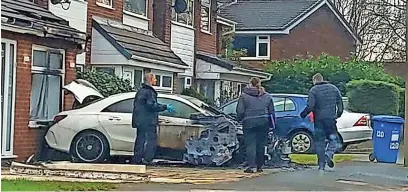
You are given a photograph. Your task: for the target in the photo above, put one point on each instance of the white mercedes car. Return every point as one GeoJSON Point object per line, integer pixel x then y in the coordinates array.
{"type": "Point", "coordinates": [96, 130]}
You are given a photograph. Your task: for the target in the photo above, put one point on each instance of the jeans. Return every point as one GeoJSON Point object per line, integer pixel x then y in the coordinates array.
{"type": "Point", "coordinates": [145, 144]}
{"type": "Point", "coordinates": [326, 140]}
{"type": "Point", "coordinates": [255, 139]}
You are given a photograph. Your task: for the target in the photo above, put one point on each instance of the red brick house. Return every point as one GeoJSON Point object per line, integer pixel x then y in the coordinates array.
{"type": "Point", "coordinates": [282, 29]}
{"type": "Point", "coordinates": [38, 58]}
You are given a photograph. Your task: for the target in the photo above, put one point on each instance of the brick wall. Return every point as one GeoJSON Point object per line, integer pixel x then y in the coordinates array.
{"type": "Point", "coordinates": [206, 42]}
{"type": "Point", "coordinates": [25, 137]}
{"type": "Point", "coordinates": [162, 20]}
{"type": "Point", "coordinates": [321, 32]}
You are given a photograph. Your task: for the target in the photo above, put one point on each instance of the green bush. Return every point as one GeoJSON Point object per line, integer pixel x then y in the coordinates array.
{"type": "Point", "coordinates": [294, 76]}
{"type": "Point", "coordinates": [401, 109]}
{"type": "Point", "coordinates": [374, 97]}
{"type": "Point", "coordinates": [106, 83]}
{"type": "Point", "coordinates": [193, 93]}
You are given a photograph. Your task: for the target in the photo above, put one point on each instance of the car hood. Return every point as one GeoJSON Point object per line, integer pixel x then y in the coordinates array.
{"type": "Point", "coordinates": [82, 89]}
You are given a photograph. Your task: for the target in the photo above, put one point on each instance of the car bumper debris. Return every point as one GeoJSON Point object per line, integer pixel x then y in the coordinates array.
{"type": "Point", "coordinates": [216, 143]}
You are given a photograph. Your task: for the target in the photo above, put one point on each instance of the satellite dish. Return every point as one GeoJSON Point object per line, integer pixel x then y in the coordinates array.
{"type": "Point", "coordinates": [180, 6]}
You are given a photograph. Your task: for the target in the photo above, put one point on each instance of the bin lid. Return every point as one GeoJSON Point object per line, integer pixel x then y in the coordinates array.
{"type": "Point", "coordinates": [388, 118]}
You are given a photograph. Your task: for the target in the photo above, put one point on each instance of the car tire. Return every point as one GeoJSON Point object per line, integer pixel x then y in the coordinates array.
{"type": "Point", "coordinates": [90, 147]}
{"type": "Point", "coordinates": [302, 142]}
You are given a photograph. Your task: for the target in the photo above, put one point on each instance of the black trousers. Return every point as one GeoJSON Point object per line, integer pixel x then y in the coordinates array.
{"type": "Point", "coordinates": [145, 144]}
{"type": "Point", "coordinates": [255, 139]}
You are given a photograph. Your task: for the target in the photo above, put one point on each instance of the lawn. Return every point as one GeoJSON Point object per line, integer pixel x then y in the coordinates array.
{"type": "Point", "coordinates": [311, 159]}
{"type": "Point", "coordinates": [26, 185]}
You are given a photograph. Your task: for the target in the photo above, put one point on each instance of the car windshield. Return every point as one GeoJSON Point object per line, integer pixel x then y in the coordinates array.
{"type": "Point", "coordinates": [212, 110]}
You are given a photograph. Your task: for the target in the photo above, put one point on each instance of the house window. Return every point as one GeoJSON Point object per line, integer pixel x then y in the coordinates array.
{"type": "Point", "coordinates": [105, 3]}
{"type": "Point", "coordinates": [257, 47]}
{"type": "Point", "coordinates": [185, 18]}
{"type": "Point", "coordinates": [187, 82]}
{"type": "Point", "coordinates": [109, 70]}
{"type": "Point", "coordinates": [206, 15]}
{"type": "Point", "coordinates": [164, 80]}
{"type": "Point", "coordinates": [138, 7]}
{"type": "Point", "coordinates": [46, 83]}
{"type": "Point", "coordinates": [7, 82]}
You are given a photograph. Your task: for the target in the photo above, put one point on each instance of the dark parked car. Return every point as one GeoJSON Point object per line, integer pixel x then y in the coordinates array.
{"type": "Point", "coordinates": [352, 127]}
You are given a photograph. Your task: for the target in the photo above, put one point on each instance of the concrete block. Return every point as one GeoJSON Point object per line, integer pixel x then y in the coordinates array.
{"type": "Point", "coordinates": [115, 168]}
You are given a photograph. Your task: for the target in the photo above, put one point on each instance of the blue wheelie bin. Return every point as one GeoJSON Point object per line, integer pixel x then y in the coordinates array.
{"type": "Point", "coordinates": [387, 131]}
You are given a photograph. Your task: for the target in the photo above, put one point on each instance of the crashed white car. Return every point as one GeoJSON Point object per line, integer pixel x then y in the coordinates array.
{"type": "Point", "coordinates": [98, 129]}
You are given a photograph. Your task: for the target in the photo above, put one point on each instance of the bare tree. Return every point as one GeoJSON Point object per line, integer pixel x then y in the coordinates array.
{"type": "Point", "coordinates": [380, 24]}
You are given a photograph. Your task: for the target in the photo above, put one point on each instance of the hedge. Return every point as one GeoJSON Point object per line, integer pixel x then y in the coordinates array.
{"type": "Point", "coordinates": [374, 97]}
{"type": "Point", "coordinates": [295, 75]}
{"type": "Point", "coordinates": [401, 109]}
{"type": "Point", "coordinates": [106, 83]}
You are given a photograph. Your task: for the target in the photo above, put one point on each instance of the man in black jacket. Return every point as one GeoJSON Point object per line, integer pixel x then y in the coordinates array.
{"type": "Point", "coordinates": [326, 104]}
{"type": "Point", "coordinates": [145, 119]}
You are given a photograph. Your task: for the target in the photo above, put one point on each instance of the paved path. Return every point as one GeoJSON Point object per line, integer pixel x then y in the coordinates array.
{"type": "Point", "coordinates": [353, 176]}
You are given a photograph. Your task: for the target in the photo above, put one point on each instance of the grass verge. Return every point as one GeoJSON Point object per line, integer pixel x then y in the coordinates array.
{"type": "Point", "coordinates": [26, 185]}
{"type": "Point", "coordinates": [311, 159]}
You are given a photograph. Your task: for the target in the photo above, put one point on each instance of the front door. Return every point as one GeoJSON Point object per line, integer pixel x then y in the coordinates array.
{"type": "Point", "coordinates": [7, 82]}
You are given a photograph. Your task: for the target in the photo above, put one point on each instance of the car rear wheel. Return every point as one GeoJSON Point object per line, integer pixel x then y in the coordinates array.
{"type": "Point", "coordinates": [302, 142]}
{"type": "Point", "coordinates": [90, 147]}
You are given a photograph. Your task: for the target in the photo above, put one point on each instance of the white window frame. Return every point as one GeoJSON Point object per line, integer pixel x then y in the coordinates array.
{"type": "Point", "coordinates": [135, 14]}
{"type": "Point", "coordinates": [39, 70]}
{"type": "Point", "coordinates": [192, 15]}
{"type": "Point", "coordinates": [9, 153]}
{"type": "Point", "coordinates": [258, 41]}
{"type": "Point", "coordinates": [186, 84]}
{"type": "Point", "coordinates": [207, 5]}
{"type": "Point", "coordinates": [104, 5]}
{"type": "Point", "coordinates": [167, 74]}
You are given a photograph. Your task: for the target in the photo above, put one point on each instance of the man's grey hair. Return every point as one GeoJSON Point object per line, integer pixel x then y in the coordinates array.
{"type": "Point", "coordinates": [148, 76]}
{"type": "Point", "coordinates": [318, 77]}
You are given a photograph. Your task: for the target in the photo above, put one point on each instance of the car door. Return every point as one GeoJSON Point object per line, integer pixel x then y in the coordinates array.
{"type": "Point", "coordinates": [116, 119]}
{"type": "Point", "coordinates": [175, 128]}
{"type": "Point", "coordinates": [286, 115]}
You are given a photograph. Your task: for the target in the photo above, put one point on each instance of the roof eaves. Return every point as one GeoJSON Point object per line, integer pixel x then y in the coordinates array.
{"type": "Point", "coordinates": [111, 40]}
{"type": "Point", "coordinates": [344, 21]}
{"type": "Point", "coordinates": [298, 17]}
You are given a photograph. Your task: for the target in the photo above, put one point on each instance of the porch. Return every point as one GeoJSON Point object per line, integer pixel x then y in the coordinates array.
{"type": "Point", "coordinates": [221, 80]}
{"type": "Point", "coordinates": [130, 52]}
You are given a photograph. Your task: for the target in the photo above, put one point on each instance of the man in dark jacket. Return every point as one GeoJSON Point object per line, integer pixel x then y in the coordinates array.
{"type": "Point", "coordinates": [145, 119]}
{"type": "Point", "coordinates": [256, 110]}
{"type": "Point", "coordinates": [326, 104]}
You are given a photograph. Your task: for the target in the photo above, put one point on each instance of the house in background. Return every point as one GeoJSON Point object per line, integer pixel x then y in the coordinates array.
{"type": "Point", "coordinates": [39, 53]}
{"type": "Point", "coordinates": [282, 29]}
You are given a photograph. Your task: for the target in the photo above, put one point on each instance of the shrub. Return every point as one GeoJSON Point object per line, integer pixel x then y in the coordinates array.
{"type": "Point", "coordinates": [193, 93]}
{"type": "Point", "coordinates": [401, 109]}
{"type": "Point", "coordinates": [374, 97]}
{"type": "Point", "coordinates": [294, 76]}
{"type": "Point", "coordinates": [106, 83]}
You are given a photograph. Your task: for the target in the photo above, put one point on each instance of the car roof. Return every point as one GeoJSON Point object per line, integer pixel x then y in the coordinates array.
{"type": "Point", "coordinates": [288, 95]}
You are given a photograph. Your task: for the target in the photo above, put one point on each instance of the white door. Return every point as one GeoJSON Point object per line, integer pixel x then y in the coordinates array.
{"type": "Point", "coordinates": [116, 119]}
{"type": "Point", "coordinates": [175, 128]}
{"type": "Point", "coordinates": [7, 81]}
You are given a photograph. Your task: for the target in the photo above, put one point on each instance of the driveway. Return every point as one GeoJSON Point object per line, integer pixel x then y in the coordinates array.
{"type": "Point", "coordinates": [362, 176]}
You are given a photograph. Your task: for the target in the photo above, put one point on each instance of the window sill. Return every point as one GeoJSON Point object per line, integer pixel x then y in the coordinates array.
{"type": "Point", "coordinates": [135, 15]}
{"type": "Point", "coordinates": [38, 124]}
{"type": "Point", "coordinates": [105, 6]}
{"type": "Point", "coordinates": [206, 32]}
{"type": "Point", "coordinates": [9, 157]}
{"type": "Point", "coordinates": [182, 25]}
{"type": "Point", "coordinates": [254, 58]}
